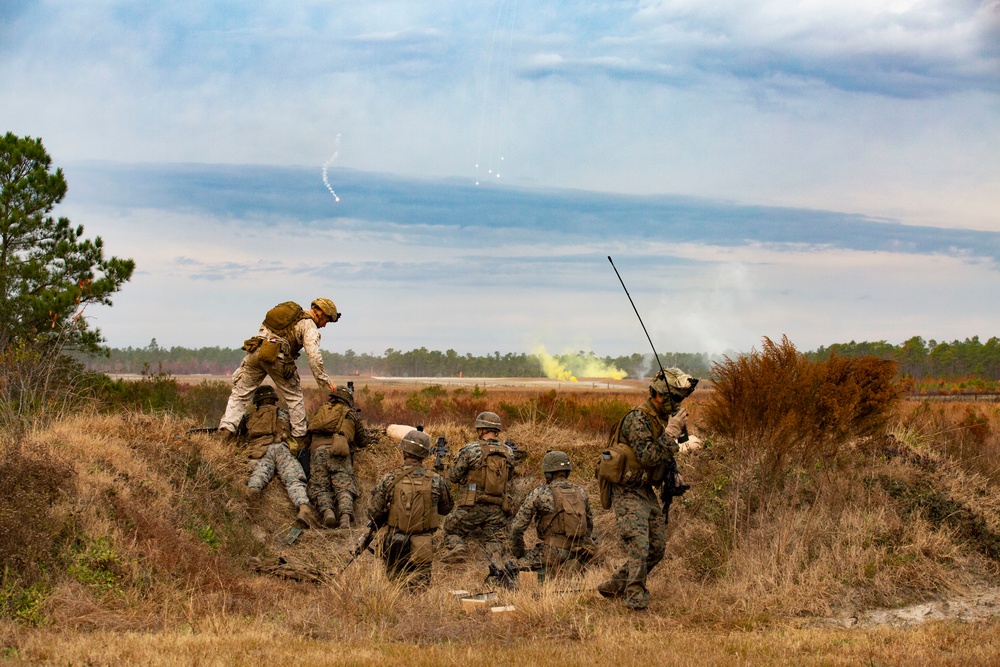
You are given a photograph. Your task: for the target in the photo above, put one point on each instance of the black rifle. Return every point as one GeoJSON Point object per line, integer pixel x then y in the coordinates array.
{"type": "Point", "coordinates": [363, 544]}
{"type": "Point", "coordinates": [505, 575]}
{"type": "Point", "coordinates": [212, 429]}
{"type": "Point", "coordinates": [440, 452]}
{"type": "Point", "coordinates": [519, 453]}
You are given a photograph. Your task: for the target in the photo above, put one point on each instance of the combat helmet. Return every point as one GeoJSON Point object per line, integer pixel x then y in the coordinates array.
{"type": "Point", "coordinates": [673, 381]}
{"type": "Point", "coordinates": [264, 393]}
{"type": "Point", "coordinates": [556, 461]}
{"type": "Point", "coordinates": [343, 395]}
{"type": "Point", "coordinates": [488, 420]}
{"type": "Point", "coordinates": [327, 307]}
{"type": "Point", "coordinates": [416, 443]}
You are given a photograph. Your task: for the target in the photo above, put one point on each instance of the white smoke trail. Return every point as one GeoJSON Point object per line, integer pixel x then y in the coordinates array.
{"type": "Point", "coordinates": [326, 181]}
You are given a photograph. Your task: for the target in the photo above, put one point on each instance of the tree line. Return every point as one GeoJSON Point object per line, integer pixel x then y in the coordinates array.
{"type": "Point", "coordinates": [420, 362]}
{"type": "Point", "coordinates": [918, 358]}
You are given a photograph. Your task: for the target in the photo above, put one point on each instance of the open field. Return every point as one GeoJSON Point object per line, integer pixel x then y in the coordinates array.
{"type": "Point", "coordinates": [882, 552]}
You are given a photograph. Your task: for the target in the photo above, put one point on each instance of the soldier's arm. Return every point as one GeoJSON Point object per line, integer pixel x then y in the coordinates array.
{"type": "Point", "coordinates": [310, 343]}
{"type": "Point", "coordinates": [521, 521]}
{"type": "Point", "coordinates": [649, 451]}
{"type": "Point", "coordinates": [460, 468]}
{"type": "Point", "coordinates": [361, 439]}
{"type": "Point", "coordinates": [378, 508]}
{"type": "Point", "coordinates": [445, 503]}
{"type": "Point", "coordinates": [590, 514]}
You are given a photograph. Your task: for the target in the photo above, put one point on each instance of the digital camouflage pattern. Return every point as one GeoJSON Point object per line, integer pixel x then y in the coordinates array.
{"type": "Point", "coordinates": [278, 459]}
{"type": "Point", "coordinates": [641, 524]}
{"type": "Point", "coordinates": [332, 483]}
{"type": "Point", "coordinates": [397, 560]}
{"type": "Point", "coordinates": [540, 503]}
{"type": "Point", "coordinates": [486, 523]}
{"type": "Point", "coordinates": [284, 374]}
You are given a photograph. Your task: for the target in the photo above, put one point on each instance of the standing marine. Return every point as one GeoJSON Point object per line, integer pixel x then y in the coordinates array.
{"type": "Point", "coordinates": [563, 520]}
{"type": "Point", "coordinates": [286, 330]}
{"type": "Point", "coordinates": [265, 431]}
{"type": "Point", "coordinates": [640, 457]}
{"type": "Point", "coordinates": [409, 500]}
{"type": "Point", "coordinates": [336, 434]}
{"type": "Point", "coordinates": [482, 469]}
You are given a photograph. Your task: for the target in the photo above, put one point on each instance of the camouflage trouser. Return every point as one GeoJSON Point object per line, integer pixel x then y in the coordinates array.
{"type": "Point", "coordinates": [483, 522]}
{"type": "Point", "coordinates": [332, 485]}
{"type": "Point", "coordinates": [278, 459]}
{"type": "Point", "coordinates": [249, 376]}
{"type": "Point", "coordinates": [546, 557]}
{"type": "Point", "coordinates": [644, 539]}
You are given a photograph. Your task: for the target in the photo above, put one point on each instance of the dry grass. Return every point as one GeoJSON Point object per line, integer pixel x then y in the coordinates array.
{"type": "Point", "coordinates": [150, 544]}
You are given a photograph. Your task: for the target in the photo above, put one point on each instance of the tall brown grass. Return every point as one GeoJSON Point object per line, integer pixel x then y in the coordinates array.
{"type": "Point", "coordinates": [149, 534]}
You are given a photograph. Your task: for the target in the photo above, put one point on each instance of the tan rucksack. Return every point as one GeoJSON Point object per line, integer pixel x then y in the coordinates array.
{"type": "Point", "coordinates": [264, 428]}
{"type": "Point", "coordinates": [568, 524]}
{"type": "Point", "coordinates": [412, 509]}
{"type": "Point", "coordinates": [488, 483]}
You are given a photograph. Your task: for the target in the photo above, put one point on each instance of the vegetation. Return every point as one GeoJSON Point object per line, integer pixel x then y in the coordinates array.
{"type": "Point", "coordinates": [49, 273]}
{"type": "Point", "coordinates": [392, 363]}
{"type": "Point", "coordinates": [134, 541]}
{"type": "Point", "coordinates": [919, 359]}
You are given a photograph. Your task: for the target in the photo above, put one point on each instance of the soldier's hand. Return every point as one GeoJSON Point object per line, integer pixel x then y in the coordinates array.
{"type": "Point", "coordinates": [676, 424]}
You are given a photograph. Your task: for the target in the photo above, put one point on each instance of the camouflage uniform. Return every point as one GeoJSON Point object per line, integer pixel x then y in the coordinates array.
{"type": "Point", "coordinates": [332, 484]}
{"type": "Point", "coordinates": [551, 553]}
{"type": "Point", "coordinates": [283, 372]}
{"type": "Point", "coordinates": [397, 558]}
{"type": "Point", "coordinates": [266, 459]}
{"type": "Point", "coordinates": [483, 521]}
{"type": "Point", "coordinates": [641, 522]}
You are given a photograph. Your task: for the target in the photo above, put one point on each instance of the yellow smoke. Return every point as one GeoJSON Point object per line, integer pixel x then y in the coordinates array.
{"type": "Point", "coordinates": [568, 367]}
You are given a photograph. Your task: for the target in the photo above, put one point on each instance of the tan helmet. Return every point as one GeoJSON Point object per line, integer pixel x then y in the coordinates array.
{"type": "Point", "coordinates": [488, 420]}
{"type": "Point", "coordinates": [556, 461]}
{"type": "Point", "coordinates": [327, 307]}
{"type": "Point", "coordinates": [342, 394]}
{"type": "Point", "coordinates": [673, 381]}
{"type": "Point", "coordinates": [416, 443]}
{"type": "Point", "coordinates": [264, 393]}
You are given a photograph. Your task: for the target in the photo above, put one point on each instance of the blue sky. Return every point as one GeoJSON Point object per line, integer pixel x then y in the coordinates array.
{"type": "Point", "coordinates": [826, 170]}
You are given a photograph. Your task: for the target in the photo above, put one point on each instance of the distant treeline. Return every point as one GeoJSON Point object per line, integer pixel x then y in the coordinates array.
{"type": "Point", "coordinates": [919, 358]}
{"type": "Point", "coordinates": [391, 363]}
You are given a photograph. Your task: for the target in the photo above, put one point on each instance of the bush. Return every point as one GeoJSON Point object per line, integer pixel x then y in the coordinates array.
{"type": "Point", "coordinates": [779, 408]}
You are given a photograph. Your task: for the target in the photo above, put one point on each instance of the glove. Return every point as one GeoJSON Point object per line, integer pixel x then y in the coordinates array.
{"type": "Point", "coordinates": [693, 443]}
{"type": "Point", "coordinates": [295, 444]}
{"type": "Point", "coordinates": [676, 424]}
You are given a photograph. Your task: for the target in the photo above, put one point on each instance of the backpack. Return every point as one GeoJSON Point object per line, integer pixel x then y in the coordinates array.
{"type": "Point", "coordinates": [283, 316]}
{"type": "Point", "coordinates": [488, 483]}
{"type": "Point", "coordinates": [264, 428]}
{"type": "Point", "coordinates": [570, 518]}
{"type": "Point", "coordinates": [412, 509]}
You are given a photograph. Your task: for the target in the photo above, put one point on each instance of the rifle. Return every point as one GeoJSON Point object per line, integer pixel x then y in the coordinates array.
{"type": "Point", "coordinates": [363, 544]}
{"type": "Point", "coordinates": [505, 575]}
{"type": "Point", "coordinates": [519, 453]}
{"type": "Point", "coordinates": [211, 429]}
{"type": "Point", "coordinates": [440, 451]}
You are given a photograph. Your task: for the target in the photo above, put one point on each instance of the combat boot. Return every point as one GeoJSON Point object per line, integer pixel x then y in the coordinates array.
{"type": "Point", "coordinates": [305, 519]}
{"type": "Point", "coordinates": [253, 494]}
{"type": "Point", "coordinates": [345, 521]}
{"type": "Point", "coordinates": [329, 518]}
{"type": "Point", "coordinates": [226, 436]}
{"type": "Point", "coordinates": [454, 554]}
{"type": "Point", "coordinates": [612, 588]}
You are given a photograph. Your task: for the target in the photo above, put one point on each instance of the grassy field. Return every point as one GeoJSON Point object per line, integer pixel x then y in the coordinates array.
{"type": "Point", "coordinates": [126, 540]}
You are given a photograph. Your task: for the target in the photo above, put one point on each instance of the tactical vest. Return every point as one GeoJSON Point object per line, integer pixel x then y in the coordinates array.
{"type": "Point", "coordinates": [487, 483]}
{"type": "Point", "coordinates": [565, 527]}
{"type": "Point", "coordinates": [412, 509]}
{"type": "Point", "coordinates": [331, 427]}
{"type": "Point", "coordinates": [265, 427]}
{"type": "Point", "coordinates": [618, 464]}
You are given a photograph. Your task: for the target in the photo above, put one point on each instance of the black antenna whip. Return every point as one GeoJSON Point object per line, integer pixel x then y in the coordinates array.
{"type": "Point", "coordinates": [655, 355]}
